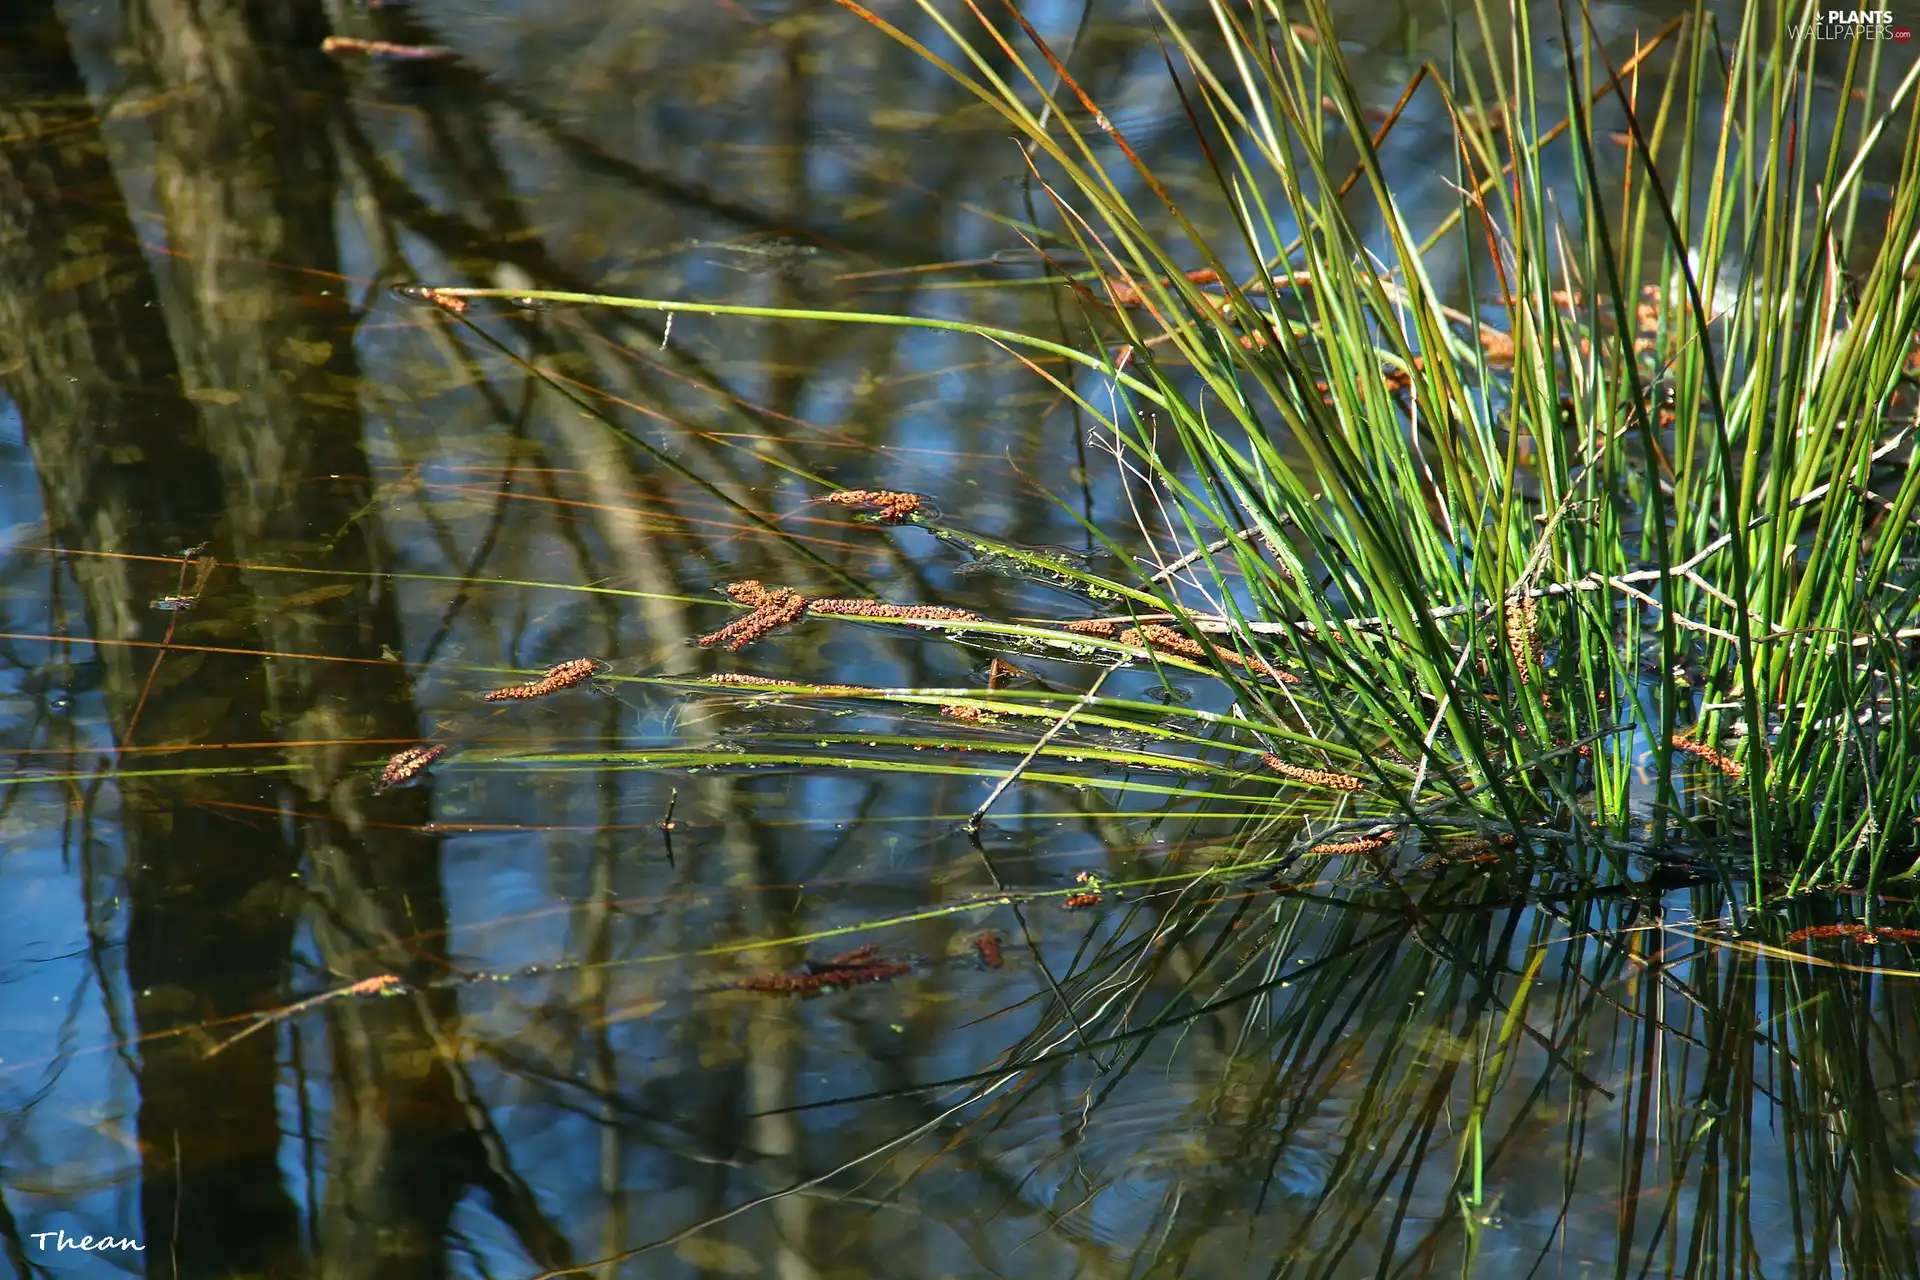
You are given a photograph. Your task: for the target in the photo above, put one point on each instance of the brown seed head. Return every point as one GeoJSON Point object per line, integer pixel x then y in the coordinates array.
{"type": "Point", "coordinates": [1167, 640]}
{"type": "Point", "coordinates": [1313, 777]}
{"type": "Point", "coordinates": [891, 506]}
{"type": "Point", "coordinates": [881, 610]}
{"type": "Point", "coordinates": [560, 676]}
{"type": "Point", "coordinates": [1360, 844]}
{"type": "Point", "coordinates": [1523, 635]}
{"type": "Point", "coordinates": [772, 609]}
{"type": "Point", "coordinates": [407, 765]}
{"type": "Point", "coordinates": [1732, 768]}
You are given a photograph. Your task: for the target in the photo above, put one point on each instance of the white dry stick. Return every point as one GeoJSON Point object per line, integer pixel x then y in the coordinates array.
{"type": "Point", "coordinates": [999, 788]}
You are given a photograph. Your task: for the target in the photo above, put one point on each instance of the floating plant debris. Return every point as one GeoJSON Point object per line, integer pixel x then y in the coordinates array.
{"type": "Point", "coordinates": [1000, 674]}
{"type": "Point", "coordinates": [189, 598]}
{"type": "Point", "coordinates": [1467, 853]}
{"type": "Point", "coordinates": [384, 49]}
{"type": "Point", "coordinates": [1063, 568]}
{"type": "Point", "coordinates": [887, 505]}
{"type": "Point", "coordinates": [1091, 896]}
{"type": "Point", "coordinates": [849, 969]}
{"type": "Point", "coordinates": [1693, 747]}
{"type": "Point", "coordinates": [562, 675]}
{"type": "Point", "coordinates": [1441, 861]}
{"type": "Point", "coordinates": [971, 715]}
{"type": "Point", "coordinates": [1313, 777]}
{"type": "Point", "coordinates": [987, 947]}
{"type": "Point", "coordinates": [410, 764]}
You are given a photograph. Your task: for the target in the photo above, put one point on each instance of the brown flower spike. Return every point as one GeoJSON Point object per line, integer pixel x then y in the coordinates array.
{"type": "Point", "coordinates": [560, 676]}
{"type": "Point", "coordinates": [1732, 768]}
{"type": "Point", "coordinates": [1167, 640]}
{"type": "Point", "coordinates": [740, 679]}
{"type": "Point", "coordinates": [890, 506]}
{"type": "Point", "coordinates": [1313, 777]}
{"type": "Point", "coordinates": [776, 607]}
{"type": "Point", "coordinates": [880, 609]}
{"type": "Point", "coordinates": [1154, 635]}
{"type": "Point", "coordinates": [410, 764]}
{"type": "Point", "coordinates": [1523, 635]}
{"type": "Point", "coordinates": [772, 609]}
{"type": "Point", "coordinates": [1360, 844]}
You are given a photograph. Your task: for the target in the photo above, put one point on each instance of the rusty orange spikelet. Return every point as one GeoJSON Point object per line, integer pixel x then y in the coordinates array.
{"type": "Point", "coordinates": [741, 679]}
{"type": "Point", "coordinates": [772, 609]}
{"type": "Point", "coordinates": [1693, 747]}
{"type": "Point", "coordinates": [1167, 640]}
{"type": "Point", "coordinates": [407, 765]}
{"type": "Point", "coordinates": [891, 506]}
{"type": "Point", "coordinates": [1313, 777]}
{"type": "Point", "coordinates": [563, 675]}
{"type": "Point", "coordinates": [1523, 635]}
{"type": "Point", "coordinates": [1865, 935]}
{"type": "Point", "coordinates": [971, 715]}
{"type": "Point", "coordinates": [1359, 844]}
{"type": "Point", "coordinates": [880, 609]}
{"type": "Point", "coordinates": [987, 947]}
{"type": "Point", "coordinates": [775, 607]}
{"type": "Point", "coordinates": [1080, 901]}
{"type": "Point", "coordinates": [1105, 628]}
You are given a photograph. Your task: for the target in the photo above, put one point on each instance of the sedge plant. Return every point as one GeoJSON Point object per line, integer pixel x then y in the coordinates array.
{"type": "Point", "coordinates": [1612, 531]}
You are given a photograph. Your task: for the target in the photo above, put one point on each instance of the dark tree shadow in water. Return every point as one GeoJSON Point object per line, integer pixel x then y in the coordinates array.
{"type": "Point", "coordinates": [220, 409]}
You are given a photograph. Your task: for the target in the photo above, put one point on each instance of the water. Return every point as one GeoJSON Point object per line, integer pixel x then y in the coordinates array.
{"type": "Point", "coordinates": [265, 1018]}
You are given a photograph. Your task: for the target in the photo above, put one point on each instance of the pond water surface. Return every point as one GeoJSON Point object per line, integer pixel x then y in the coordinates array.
{"type": "Point", "coordinates": [265, 1018]}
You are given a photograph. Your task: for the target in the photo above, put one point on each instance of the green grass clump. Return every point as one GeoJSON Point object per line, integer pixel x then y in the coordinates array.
{"type": "Point", "coordinates": [1626, 502]}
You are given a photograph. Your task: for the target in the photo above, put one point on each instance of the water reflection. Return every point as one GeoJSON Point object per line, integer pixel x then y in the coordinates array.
{"type": "Point", "coordinates": [403, 506]}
